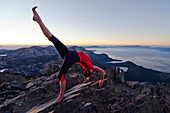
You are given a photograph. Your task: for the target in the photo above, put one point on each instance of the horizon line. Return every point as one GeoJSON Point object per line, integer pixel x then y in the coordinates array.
{"type": "Point", "coordinates": [81, 45]}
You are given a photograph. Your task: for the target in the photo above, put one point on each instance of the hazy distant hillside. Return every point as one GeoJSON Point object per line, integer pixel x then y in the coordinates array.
{"type": "Point", "coordinates": [161, 48]}
{"type": "Point", "coordinates": [30, 52]}
{"type": "Point", "coordinates": [33, 60]}
{"type": "Point", "coordinates": [28, 61]}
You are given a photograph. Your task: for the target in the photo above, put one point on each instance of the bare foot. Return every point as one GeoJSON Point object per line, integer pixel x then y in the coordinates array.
{"type": "Point", "coordinates": [35, 14]}
{"type": "Point", "coordinates": [88, 79]}
{"type": "Point", "coordinates": [60, 97]}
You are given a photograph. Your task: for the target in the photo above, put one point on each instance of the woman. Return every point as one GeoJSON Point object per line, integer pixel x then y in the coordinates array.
{"type": "Point", "coordinates": [69, 58]}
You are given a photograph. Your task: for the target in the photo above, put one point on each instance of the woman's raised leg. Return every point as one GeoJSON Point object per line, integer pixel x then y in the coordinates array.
{"type": "Point", "coordinates": [62, 49]}
{"type": "Point", "coordinates": [37, 18]}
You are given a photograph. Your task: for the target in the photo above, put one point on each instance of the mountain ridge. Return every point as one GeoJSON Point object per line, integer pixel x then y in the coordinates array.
{"type": "Point", "coordinates": [33, 60]}
{"type": "Point", "coordinates": [165, 49]}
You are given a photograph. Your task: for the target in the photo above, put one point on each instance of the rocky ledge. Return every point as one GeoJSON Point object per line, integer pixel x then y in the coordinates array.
{"type": "Point", "coordinates": [37, 94]}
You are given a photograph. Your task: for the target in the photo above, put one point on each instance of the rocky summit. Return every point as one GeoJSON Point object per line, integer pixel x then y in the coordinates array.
{"type": "Point", "coordinates": [36, 94]}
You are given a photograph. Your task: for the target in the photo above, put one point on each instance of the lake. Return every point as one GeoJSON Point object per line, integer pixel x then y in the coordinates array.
{"type": "Point", "coordinates": [148, 58]}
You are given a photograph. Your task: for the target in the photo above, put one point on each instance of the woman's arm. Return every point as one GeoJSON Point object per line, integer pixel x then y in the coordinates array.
{"type": "Point", "coordinates": [101, 72]}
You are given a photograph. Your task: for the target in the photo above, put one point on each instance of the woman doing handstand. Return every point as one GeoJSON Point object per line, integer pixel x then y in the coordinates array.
{"type": "Point", "coordinates": [69, 57]}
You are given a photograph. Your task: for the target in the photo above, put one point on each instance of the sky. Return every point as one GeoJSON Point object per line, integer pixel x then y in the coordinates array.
{"type": "Point", "coordinates": [86, 22]}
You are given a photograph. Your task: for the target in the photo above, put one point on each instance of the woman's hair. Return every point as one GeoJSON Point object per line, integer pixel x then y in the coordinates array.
{"type": "Point", "coordinates": [86, 73]}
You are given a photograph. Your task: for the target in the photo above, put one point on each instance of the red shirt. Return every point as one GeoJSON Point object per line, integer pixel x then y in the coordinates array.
{"type": "Point", "coordinates": [85, 60]}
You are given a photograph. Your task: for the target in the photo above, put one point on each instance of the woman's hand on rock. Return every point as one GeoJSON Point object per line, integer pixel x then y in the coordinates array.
{"type": "Point", "coordinates": [100, 83]}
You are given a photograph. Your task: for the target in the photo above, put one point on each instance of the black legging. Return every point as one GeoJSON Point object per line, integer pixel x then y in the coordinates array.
{"type": "Point", "coordinates": [69, 57]}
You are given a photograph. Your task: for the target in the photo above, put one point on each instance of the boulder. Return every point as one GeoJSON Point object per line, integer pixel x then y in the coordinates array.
{"type": "Point", "coordinates": [17, 85]}
{"type": "Point", "coordinates": [132, 84]}
{"type": "Point", "coordinates": [116, 75]}
{"type": "Point", "coordinates": [29, 85]}
{"type": "Point", "coordinates": [52, 68]}
{"type": "Point", "coordinates": [9, 77]}
{"type": "Point", "coordinates": [87, 107]}
{"type": "Point", "coordinates": [140, 98]}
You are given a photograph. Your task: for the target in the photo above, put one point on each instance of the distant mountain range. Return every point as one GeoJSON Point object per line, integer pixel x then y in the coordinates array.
{"type": "Point", "coordinates": [161, 48]}
{"type": "Point", "coordinates": [33, 60]}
